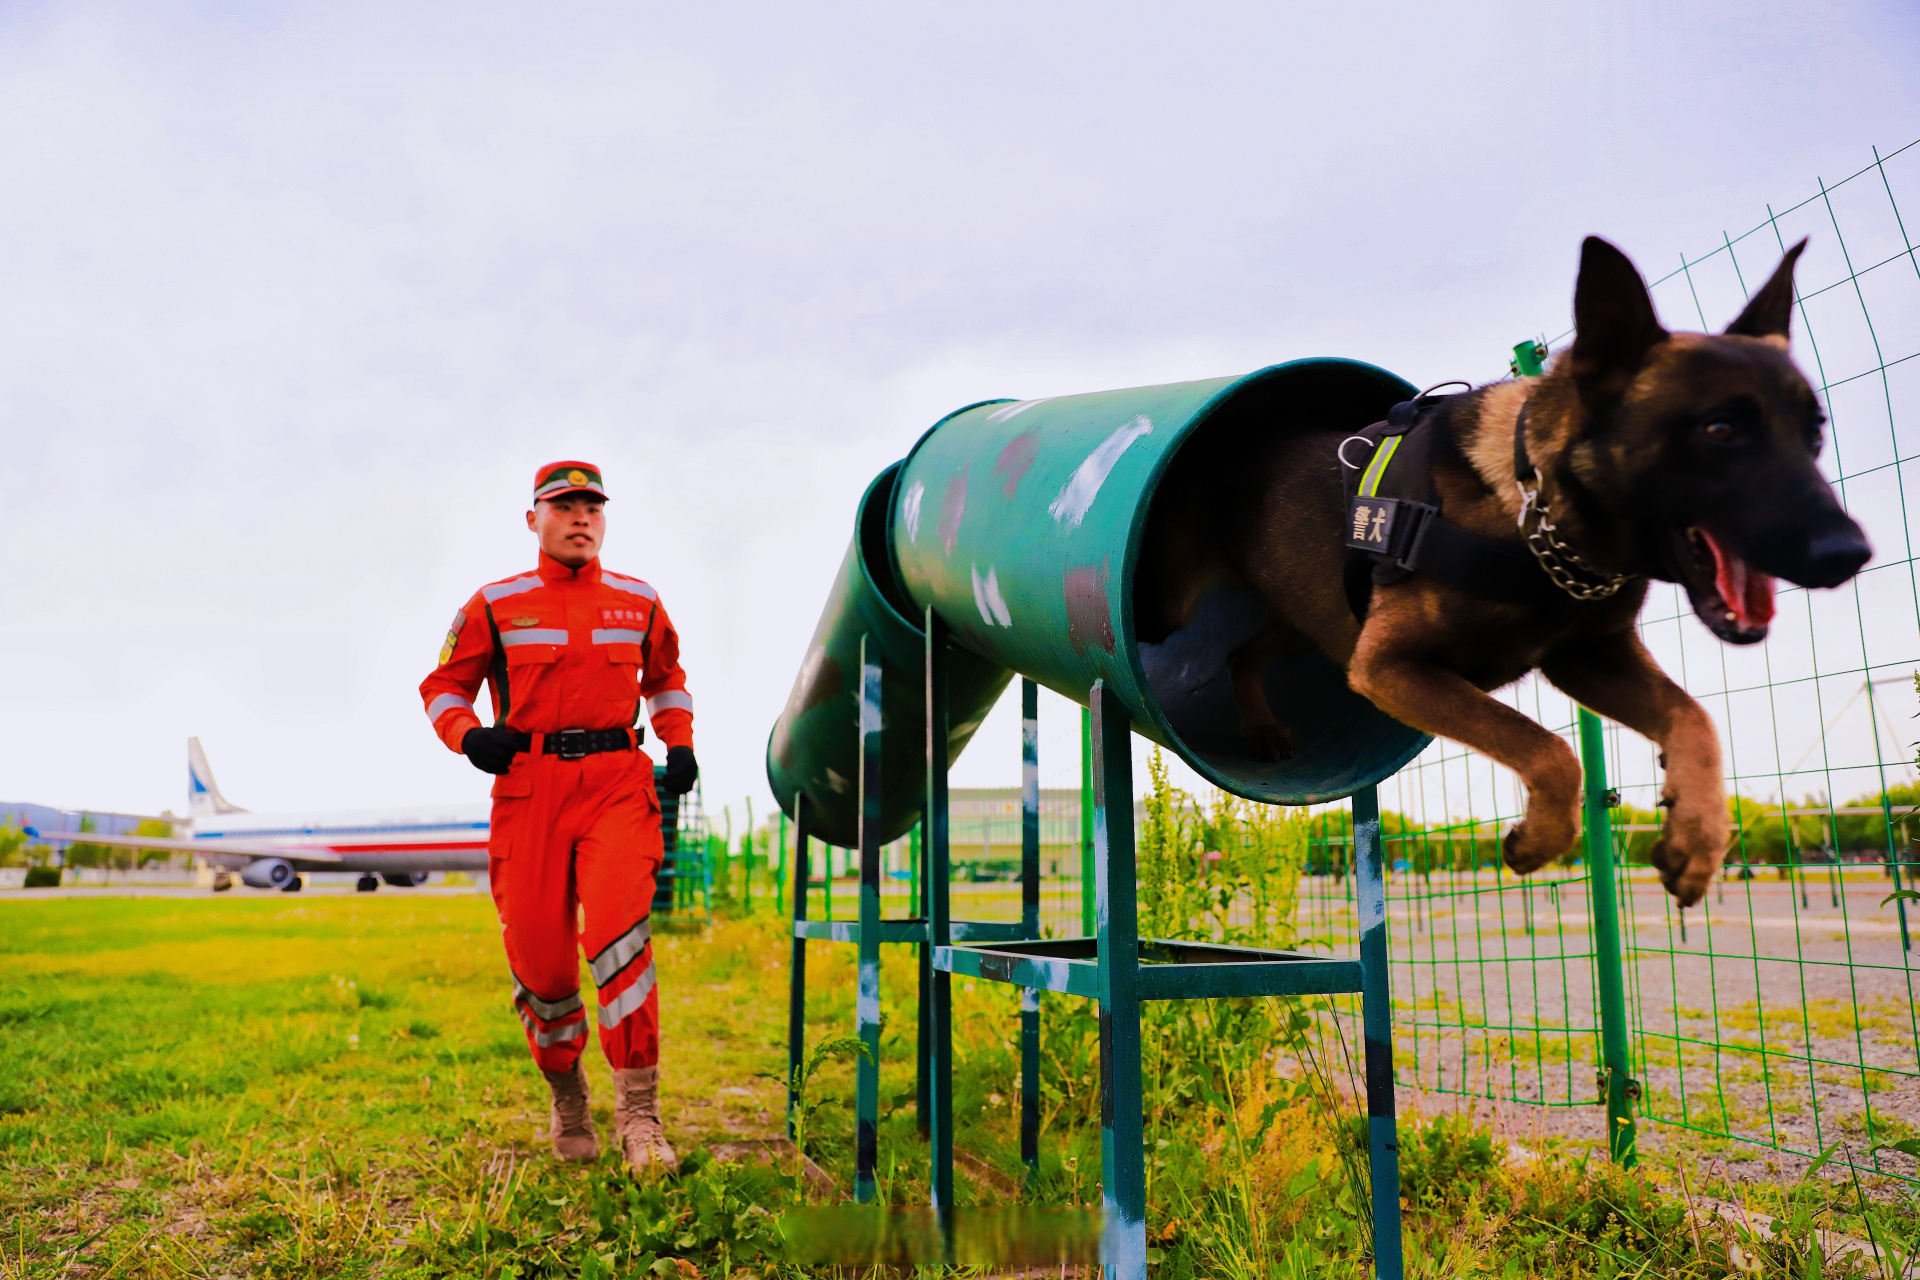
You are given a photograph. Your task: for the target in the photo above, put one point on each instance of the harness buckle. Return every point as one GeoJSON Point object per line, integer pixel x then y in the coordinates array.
{"type": "Point", "coordinates": [573, 744]}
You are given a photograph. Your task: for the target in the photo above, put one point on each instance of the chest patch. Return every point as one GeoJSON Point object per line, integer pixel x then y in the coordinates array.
{"type": "Point", "coordinates": [622, 617]}
{"type": "Point", "coordinates": [524, 622]}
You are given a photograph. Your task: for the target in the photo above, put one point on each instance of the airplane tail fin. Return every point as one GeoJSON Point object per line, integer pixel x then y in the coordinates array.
{"type": "Point", "coordinates": [203, 793]}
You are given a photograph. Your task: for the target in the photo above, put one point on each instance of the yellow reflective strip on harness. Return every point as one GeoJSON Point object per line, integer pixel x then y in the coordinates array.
{"type": "Point", "coordinates": [1370, 479]}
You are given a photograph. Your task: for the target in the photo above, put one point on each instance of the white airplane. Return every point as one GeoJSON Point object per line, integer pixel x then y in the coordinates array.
{"type": "Point", "coordinates": [270, 850]}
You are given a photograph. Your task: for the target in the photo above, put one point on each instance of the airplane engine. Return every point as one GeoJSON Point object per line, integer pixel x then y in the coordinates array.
{"type": "Point", "coordinates": [267, 873]}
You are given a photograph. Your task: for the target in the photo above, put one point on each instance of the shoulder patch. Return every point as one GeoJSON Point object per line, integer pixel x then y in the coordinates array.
{"type": "Point", "coordinates": [453, 636]}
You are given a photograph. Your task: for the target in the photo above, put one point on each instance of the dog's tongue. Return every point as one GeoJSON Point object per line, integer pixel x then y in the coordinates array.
{"type": "Point", "coordinates": [1747, 592]}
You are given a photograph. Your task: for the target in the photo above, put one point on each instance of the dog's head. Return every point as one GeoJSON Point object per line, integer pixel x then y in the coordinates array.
{"type": "Point", "coordinates": [1698, 449]}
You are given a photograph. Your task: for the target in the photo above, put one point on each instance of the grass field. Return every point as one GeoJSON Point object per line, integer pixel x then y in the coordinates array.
{"type": "Point", "coordinates": [283, 1086]}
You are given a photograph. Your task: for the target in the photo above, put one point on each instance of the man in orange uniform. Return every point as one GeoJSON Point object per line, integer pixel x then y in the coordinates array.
{"type": "Point", "coordinates": [571, 652]}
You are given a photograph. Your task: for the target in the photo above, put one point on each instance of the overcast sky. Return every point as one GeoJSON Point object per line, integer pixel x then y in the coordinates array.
{"type": "Point", "coordinates": [297, 296]}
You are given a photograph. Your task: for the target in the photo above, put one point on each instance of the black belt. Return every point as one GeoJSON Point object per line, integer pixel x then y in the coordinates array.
{"type": "Point", "coordinates": [571, 744]}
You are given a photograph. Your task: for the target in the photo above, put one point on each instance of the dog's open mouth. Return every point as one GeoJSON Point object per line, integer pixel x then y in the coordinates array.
{"type": "Point", "coordinates": [1732, 597]}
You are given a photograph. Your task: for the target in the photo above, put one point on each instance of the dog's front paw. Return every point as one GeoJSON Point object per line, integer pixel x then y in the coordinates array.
{"type": "Point", "coordinates": [1540, 837]}
{"type": "Point", "coordinates": [1688, 853]}
{"type": "Point", "coordinates": [1271, 742]}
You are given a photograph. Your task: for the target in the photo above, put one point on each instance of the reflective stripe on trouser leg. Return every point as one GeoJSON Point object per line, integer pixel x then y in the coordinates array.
{"type": "Point", "coordinates": [556, 1029]}
{"type": "Point", "coordinates": [621, 952]}
{"type": "Point", "coordinates": [630, 1013]}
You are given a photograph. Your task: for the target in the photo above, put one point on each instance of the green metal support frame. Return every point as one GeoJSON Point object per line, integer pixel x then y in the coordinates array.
{"type": "Point", "coordinates": [1088, 926]}
{"type": "Point", "coordinates": [866, 1087]}
{"type": "Point", "coordinates": [1120, 970]}
{"type": "Point", "coordinates": [870, 931]}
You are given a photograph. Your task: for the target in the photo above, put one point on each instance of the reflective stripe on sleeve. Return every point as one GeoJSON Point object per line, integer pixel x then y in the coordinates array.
{"type": "Point", "coordinates": [618, 635]}
{"type": "Point", "coordinates": [547, 1010]}
{"type": "Point", "coordinates": [632, 586]}
{"type": "Point", "coordinates": [501, 590]}
{"type": "Point", "coordinates": [671, 700]}
{"type": "Point", "coordinates": [444, 703]}
{"type": "Point", "coordinates": [629, 1000]}
{"type": "Point", "coordinates": [619, 953]}
{"type": "Point", "coordinates": [459, 621]}
{"type": "Point", "coordinates": [533, 635]}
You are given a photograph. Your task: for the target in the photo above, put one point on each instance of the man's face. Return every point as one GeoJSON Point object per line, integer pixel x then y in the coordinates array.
{"type": "Point", "coordinates": [570, 527]}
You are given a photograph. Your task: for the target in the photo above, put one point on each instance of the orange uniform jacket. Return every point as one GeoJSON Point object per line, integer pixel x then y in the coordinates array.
{"type": "Point", "coordinates": [564, 649]}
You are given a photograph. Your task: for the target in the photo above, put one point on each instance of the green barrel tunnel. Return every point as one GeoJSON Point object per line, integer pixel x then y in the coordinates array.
{"type": "Point", "coordinates": [1021, 524]}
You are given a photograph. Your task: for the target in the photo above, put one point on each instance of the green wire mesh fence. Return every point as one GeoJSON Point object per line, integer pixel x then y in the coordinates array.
{"type": "Point", "coordinates": [1778, 1018]}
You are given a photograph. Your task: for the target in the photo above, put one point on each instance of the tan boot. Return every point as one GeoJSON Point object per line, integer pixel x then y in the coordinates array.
{"type": "Point", "coordinates": [572, 1130]}
{"type": "Point", "coordinates": [636, 1119]}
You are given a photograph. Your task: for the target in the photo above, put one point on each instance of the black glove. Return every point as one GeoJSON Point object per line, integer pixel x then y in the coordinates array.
{"type": "Point", "coordinates": [682, 770]}
{"type": "Point", "coordinates": [491, 750]}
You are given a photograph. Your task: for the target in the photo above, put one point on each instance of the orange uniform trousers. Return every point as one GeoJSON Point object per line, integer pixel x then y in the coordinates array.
{"type": "Point", "coordinates": [571, 839]}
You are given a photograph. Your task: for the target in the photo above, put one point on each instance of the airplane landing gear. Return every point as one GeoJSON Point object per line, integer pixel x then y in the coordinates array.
{"type": "Point", "coordinates": [405, 879]}
{"type": "Point", "coordinates": [222, 881]}
{"type": "Point", "coordinates": [294, 884]}
{"type": "Point", "coordinates": [366, 883]}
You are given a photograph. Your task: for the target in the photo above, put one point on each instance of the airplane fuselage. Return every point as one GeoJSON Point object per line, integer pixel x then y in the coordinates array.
{"type": "Point", "coordinates": [423, 838]}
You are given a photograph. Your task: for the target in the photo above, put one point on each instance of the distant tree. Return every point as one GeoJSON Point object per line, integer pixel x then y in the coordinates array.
{"type": "Point", "coordinates": [154, 827]}
{"type": "Point", "coordinates": [82, 854]}
{"type": "Point", "coordinates": [13, 845]}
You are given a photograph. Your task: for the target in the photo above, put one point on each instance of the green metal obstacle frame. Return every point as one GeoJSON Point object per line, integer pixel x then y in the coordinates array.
{"type": "Point", "coordinates": [1006, 542]}
{"type": "Point", "coordinates": [871, 930]}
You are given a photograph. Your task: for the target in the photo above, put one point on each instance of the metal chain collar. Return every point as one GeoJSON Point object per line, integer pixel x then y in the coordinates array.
{"type": "Point", "coordinates": [1562, 564]}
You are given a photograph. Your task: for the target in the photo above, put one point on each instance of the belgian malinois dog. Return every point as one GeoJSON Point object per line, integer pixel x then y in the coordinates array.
{"type": "Point", "coordinates": [1641, 454]}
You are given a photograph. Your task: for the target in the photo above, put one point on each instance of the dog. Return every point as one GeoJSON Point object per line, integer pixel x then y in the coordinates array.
{"type": "Point", "coordinates": [1639, 454]}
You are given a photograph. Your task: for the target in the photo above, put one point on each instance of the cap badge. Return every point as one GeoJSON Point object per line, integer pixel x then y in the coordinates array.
{"type": "Point", "coordinates": [576, 477]}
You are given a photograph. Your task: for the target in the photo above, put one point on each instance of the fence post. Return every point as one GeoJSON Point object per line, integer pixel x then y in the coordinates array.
{"type": "Point", "coordinates": [1616, 1074]}
{"type": "Point", "coordinates": [1616, 1068]}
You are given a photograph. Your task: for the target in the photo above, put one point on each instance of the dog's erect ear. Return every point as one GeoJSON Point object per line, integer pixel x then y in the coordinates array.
{"type": "Point", "coordinates": [1614, 323]}
{"type": "Point", "coordinates": [1770, 311]}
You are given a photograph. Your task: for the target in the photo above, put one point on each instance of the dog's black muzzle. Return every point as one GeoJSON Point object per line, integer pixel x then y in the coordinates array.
{"type": "Point", "coordinates": [1824, 551]}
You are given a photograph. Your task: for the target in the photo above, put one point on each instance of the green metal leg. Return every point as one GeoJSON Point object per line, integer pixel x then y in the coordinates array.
{"type": "Point", "coordinates": [1088, 891]}
{"type": "Point", "coordinates": [866, 1089]}
{"type": "Point", "coordinates": [939, 923]}
{"type": "Point", "coordinates": [923, 1024]}
{"type": "Point", "coordinates": [1615, 1055]}
{"type": "Point", "coordinates": [1376, 1006]}
{"type": "Point", "coordinates": [1123, 1170]}
{"type": "Point", "coordinates": [797, 989]}
{"type": "Point", "coordinates": [1030, 920]}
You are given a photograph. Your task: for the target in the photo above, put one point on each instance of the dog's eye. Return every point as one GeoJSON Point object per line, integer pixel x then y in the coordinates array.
{"type": "Point", "coordinates": [1720, 432]}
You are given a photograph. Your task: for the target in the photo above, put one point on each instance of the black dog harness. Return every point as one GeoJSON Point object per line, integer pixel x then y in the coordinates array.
{"type": "Point", "coordinates": [1395, 527]}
